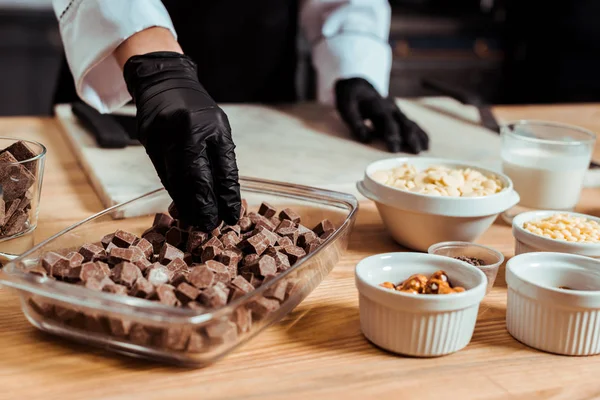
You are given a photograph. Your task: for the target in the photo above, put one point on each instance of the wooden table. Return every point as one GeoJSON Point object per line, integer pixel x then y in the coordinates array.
{"type": "Point", "coordinates": [316, 352]}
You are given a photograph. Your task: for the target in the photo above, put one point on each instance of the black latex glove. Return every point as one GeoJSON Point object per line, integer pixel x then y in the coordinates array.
{"type": "Point", "coordinates": [357, 101]}
{"type": "Point", "coordinates": [187, 137]}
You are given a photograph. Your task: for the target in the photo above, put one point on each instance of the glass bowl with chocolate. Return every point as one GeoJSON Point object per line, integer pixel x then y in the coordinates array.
{"type": "Point", "coordinates": [149, 285]}
{"type": "Point", "coordinates": [483, 257]}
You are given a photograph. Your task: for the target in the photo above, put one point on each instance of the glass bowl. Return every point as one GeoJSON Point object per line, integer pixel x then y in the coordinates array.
{"type": "Point", "coordinates": [492, 258]}
{"type": "Point", "coordinates": [148, 329]}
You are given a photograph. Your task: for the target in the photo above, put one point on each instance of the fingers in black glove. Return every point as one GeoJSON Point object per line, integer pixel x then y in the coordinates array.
{"type": "Point", "coordinates": [187, 137]}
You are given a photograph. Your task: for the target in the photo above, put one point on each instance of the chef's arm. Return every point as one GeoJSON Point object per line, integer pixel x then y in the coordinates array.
{"type": "Point", "coordinates": [93, 30]}
{"type": "Point", "coordinates": [349, 39]}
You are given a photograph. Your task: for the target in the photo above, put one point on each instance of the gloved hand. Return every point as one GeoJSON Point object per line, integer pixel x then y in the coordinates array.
{"type": "Point", "coordinates": [357, 101]}
{"type": "Point", "coordinates": [187, 137]}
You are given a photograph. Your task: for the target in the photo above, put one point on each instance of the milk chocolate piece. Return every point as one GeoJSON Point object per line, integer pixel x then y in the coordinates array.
{"type": "Point", "coordinates": [162, 223]}
{"type": "Point", "coordinates": [166, 295]}
{"type": "Point", "coordinates": [278, 291]}
{"type": "Point", "coordinates": [186, 293]}
{"type": "Point", "coordinates": [22, 152]}
{"type": "Point", "coordinates": [119, 327]}
{"type": "Point", "coordinates": [240, 283]}
{"type": "Point", "coordinates": [294, 253]}
{"type": "Point", "coordinates": [123, 238]}
{"type": "Point", "coordinates": [242, 317]}
{"type": "Point", "coordinates": [209, 253]}
{"type": "Point", "coordinates": [264, 266]}
{"type": "Point", "coordinates": [176, 237]}
{"type": "Point", "coordinates": [222, 332]}
{"type": "Point", "coordinates": [2, 212]}
{"type": "Point", "coordinates": [217, 231]}
{"type": "Point", "coordinates": [143, 264]}
{"type": "Point", "coordinates": [126, 273]}
{"type": "Point", "coordinates": [220, 270]}
{"type": "Point", "coordinates": [176, 265]}
{"type": "Point", "coordinates": [312, 246]}
{"type": "Point", "coordinates": [146, 247]}
{"type": "Point", "coordinates": [11, 207]}
{"type": "Point", "coordinates": [231, 228]}
{"type": "Point", "coordinates": [267, 210]}
{"type": "Point", "coordinates": [196, 342]}
{"type": "Point", "coordinates": [195, 240]}
{"type": "Point", "coordinates": [213, 241]}
{"type": "Point", "coordinates": [158, 274]}
{"type": "Point", "coordinates": [230, 239]}
{"type": "Point", "coordinates": [173, 211]}
{"type": "Point", "coordinates": [323, 227]}
{"type": "Point", "coordinates": [91, 252]}
{"type": "Point", "coordinates": [306, 238]}
{"type": "Point", "coordinates": [284, 241]}
{"type": "Point", "coordinates": [17, 223]}
{"type": "Point", "coordinates": [264, 223]}
{"type": "Point", "coordinates": [258, 243]}
{"type": "Point", "coordinates": [140, 335]}
{"type": "Point", "coordinates": [201, 277]}
{"type": "Point", "coordinates": [326, 234]}
{"type": "Point", "coordinates": [75, 259]}
{"type": "Point", "coordinates": [290, 233]}
{"type": "Point", "coordinates": [281, 260]}
{"type": "Point", "coordinates": [107, 239]}
{"type": "Point", "coordinates": [179, 277]}
{"type": "Point", "coordinates": [168, 253]}
{"type": "Point", "coordinates": [175, 338]}
{"type": "Point", "coordinates": [15, 179]}
{"type": "Point", "coordinates": [115, 289]}
{"type": "Point", "coordinates": [41, 307]}
{"type": "Point", "coordinates": [286, 223]}
{"type": "Point", "coordinates": [229, 258]}
{"type": "Point", "coordinates": [302, 230]}
{"type": "Point", "coordinates": [288, 213]}
{"type": "Point", "coordinates": [54, 263]}
{"type": "Point", "coordinates": [117, 255]}
{"type": "Point", "coordinates": [142, 288]}
{"type": "Point", "coordinates": [250, 259]}
{"type": "Point", "coordinates": [262, 306]}
{"type": "Point", "coordinates": [245, 224]}
{"type": "Point", "coordinates": [156, 239]}
{"type": "Point", "coordinates": [215, 296]}
{"type": "Point", "coordinates": [98, 282]}
{"type": "Point", "coordinates": [64, 314]}
{"type": "Point", "coordinates": [273, 237]}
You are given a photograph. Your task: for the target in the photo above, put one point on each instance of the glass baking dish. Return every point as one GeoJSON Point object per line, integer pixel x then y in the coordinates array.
{"type": "Point", "coordinates": [144, 328]}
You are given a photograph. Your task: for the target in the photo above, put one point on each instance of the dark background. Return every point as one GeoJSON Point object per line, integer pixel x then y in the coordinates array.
{"type": "Point", "coordinates": [507, 52]}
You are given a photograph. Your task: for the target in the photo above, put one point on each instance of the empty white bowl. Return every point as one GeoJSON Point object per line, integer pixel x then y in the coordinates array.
{"type": "Point", "coordinates": [526, 242]}
{"type": "Point", "coordinates": [541, 315]}
{"type": "Point", "coordinates": [421, 325]}
{"type": "Point", "coordinates": [417, 220]}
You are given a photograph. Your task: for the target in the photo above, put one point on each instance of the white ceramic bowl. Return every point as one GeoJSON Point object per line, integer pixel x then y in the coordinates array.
{"type": "Point", "coordinates": [417, 324]}
{"type": "Point", "coordinates": [526, 242]}
{"type": "Point", "coordinates": [417, 220]}
{"type": "Point", "coordinates": [542, 316]}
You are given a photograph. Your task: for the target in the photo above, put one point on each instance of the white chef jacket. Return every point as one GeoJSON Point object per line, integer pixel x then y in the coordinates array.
{"type": "Point", "coordinates": [349, 38]}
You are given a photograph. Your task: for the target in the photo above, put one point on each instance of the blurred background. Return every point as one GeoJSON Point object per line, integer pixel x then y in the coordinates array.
{"type": "Point", "coordinates": [503, 51]}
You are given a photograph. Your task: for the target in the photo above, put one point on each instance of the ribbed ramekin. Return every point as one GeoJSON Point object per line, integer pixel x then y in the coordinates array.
{"type": "Point", "coordinates": [417, 324]}
{"type": "Point", "coordinates": [543, 316]}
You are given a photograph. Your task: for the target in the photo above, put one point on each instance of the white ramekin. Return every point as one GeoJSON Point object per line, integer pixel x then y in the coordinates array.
{"type": "Point", "coordinates": [417, 220]}
{"type": "Point", "coordinates": [527, 242]}
{"type": "Point", "coordinates": [417, 324]}
{"type": "Point", "coordinates": [542, 316]}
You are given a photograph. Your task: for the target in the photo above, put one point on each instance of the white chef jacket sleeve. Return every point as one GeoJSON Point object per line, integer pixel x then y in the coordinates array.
{"type": "Point", "coordinates": [349, 39]}
{"type": "Point", "coordinates": [91, 30]}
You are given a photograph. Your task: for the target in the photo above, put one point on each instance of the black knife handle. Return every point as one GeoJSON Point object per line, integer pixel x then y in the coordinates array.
{"type": "Point", "coordinates": [107, 131]}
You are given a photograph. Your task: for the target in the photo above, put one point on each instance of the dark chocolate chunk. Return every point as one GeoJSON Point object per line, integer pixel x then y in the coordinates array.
{"type": "Point", "coordinates": [142, 288]}
{"type": "Point", "coordinates": [195, 240]}
{"type": "Point", "coordinates": [91, 252]}
{"type": "Point", "coordinates": [245, 224]}
{"type": "Point", "coordinates": [222, 332]}
{"type": "Point", "coordinates": [209, 253]}
{"type": "Point", "coordinates": [107, 239]}
{"type": "Point", "coordinates": [294, 253]}
{"type": "Point", "coordinates": [176, 237]}
{"type": "Point", "coordinates": [162, 223]}
{"type": "Point", "coordinates": [54, 263]}
{"type": "Point", "coordinates": [156, 239]}
{"type": "Point", "coordinates": [179, 277]}
{"type": "Point", "coordinates": [115, 289]}
{"type": "Point", "coordinates": [215, 296]}
{"type": "Point", "coordinates": [123, 238]}
{"type": "Point", "coordinates": [201, 277]}
{"type": "Point", "coordinates": [273, 237]}
{"type": "Point", "coordinates": [41, 307]}
{"type": "Point", "coordinates": [284, 241]}
{"type": "Point", "coordinates": [22, 152]}
{"type": "Point", "coordinates": [267, 210]}
{"type": "Point", "coordinates": [286, 223]}
{"type": "Point", "coordinates": [220, 271]}
{"type": "Point", "coordinates": [15, 179]}
{"type": "Point", "coordinates": [188, 258]}
{"type": "Point", "coordinates": [173, 211]}
{"type": "Point", "coordinates": [98, 282]}
{"type": "Point", "coordinates": [230, 239]}
{"type": "Point", "coordinates": [64, 314]}
{"type": "Point", "coordinates": [305, 238]}
{"type": "Point", "coordinates": [17, 223]}
{"type": "Point", "coordinates": [196, 342]}
{"type": "Point", "coordinates": [213, 241]}
{"type": "Point", "coordinates": [250, 259]}
{"type": "Point", "coordinates": [186, 293]}
{"type": "Point", "coordinates": [143, 264]}
{"type": "Point", "coordinates": [253, 279]}
{"type": "Point", "coordinates": [262, 306]}
{"type": "Point", "coordinates": [290, 233]}
{"type": "Point", "coordinates": [168, 253]}
{"type": "Point", "coordinates": [176, 265]}
{"type": "Point", "coordinates": [146, 247]}
{"type": "Point", "coordinates": [126, 274]}
{"type": "Point", "coordinates": [312, 246]}
{"type": "Point", "coordinates": [117, 255]}
{"type": "Point", "coordinates": [258, 243]}
{"type": "Point", "coordinates": [264, 266]}
{"type": "Point", "coordinates": [240, 283]}
{"type": "Point", "coordinates": [323, 227]}
{"type": "Point", "coordinates": [288, 213]}
{"type": "Point", "coordinates": [242, 317]}
{"type": "Point", "coordinates": [158, 274]}
{"type": "Point", "coordinates": [10, 208]}
{"type": "Point", "coordinates": [231, 228]}
{"type": "Point", "coordinates": [166, 295]}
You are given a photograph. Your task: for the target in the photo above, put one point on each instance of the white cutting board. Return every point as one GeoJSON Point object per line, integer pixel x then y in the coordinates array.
{"type": "Point", "coordinates": [304, 144]}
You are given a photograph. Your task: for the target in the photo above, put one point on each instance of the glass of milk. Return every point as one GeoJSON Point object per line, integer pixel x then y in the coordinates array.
{"type": "Point", "coordinates": [547, 163]}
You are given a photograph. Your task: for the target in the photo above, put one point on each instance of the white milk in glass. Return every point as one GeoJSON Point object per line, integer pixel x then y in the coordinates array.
{"type": "Point", "coordinates": [545, 179]}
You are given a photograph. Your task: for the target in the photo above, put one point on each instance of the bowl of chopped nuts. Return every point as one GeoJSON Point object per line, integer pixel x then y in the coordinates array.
{"type": "Point", "coordinates": [557, 231]}
{"type": "Point", "coordinates": [423, 200]}
{"type": "Point", "coordinates": [418, 304]}
{"type": "Point", "coordinates": [483, 257]}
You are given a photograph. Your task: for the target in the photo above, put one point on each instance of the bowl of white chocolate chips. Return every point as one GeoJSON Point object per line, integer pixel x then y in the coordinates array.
{"type": "Point", "coordinates": [424, 200]}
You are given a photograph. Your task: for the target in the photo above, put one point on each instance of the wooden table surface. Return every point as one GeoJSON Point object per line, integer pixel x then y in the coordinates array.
{"type": "Point", "coordinates": [318, 351]}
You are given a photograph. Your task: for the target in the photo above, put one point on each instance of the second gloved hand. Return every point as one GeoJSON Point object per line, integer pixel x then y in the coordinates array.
{"type": "Point", "coordinates": [357, 101]}
{"type": "Point", "coordinates": [187, 137]}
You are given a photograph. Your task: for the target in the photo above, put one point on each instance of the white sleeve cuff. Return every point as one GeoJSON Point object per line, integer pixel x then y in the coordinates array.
{"type": "Point", "coordinates": [351, 55]}
{"type": "Point", "coordinates": [91, 31]}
